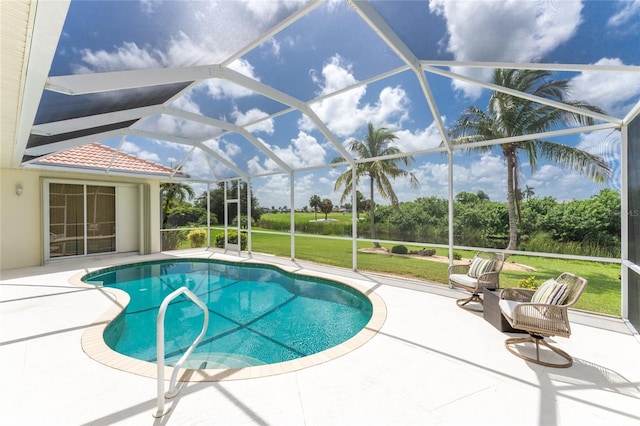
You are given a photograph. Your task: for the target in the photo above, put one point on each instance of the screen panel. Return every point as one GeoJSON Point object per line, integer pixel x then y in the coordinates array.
{"type": "Point", "coordinates": [633, 235]}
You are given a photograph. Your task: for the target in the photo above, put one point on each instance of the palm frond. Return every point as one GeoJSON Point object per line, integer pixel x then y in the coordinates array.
{"type": "Point", "coordinates": [592, 166]}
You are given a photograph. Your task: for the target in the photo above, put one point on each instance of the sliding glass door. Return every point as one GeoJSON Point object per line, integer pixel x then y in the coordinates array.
{"type": "Point", "coordinates": [82, 219]}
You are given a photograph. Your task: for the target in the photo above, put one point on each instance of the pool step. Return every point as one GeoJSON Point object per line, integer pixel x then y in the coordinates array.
{"type": "Point", "coordinates": [216, 360]}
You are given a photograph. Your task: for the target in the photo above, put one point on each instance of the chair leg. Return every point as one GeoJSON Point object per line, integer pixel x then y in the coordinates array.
{"type": "Point", "coordinates": [537, 341]}
{"type": "Point", "coordinates": [474, 298]}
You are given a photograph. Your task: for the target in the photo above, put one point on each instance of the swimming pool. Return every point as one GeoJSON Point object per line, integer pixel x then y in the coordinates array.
{"type": "Point", "coordinates": [259, 314]}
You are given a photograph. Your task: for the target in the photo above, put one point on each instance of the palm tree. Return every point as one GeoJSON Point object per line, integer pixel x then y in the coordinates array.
{"type": "Point", "coordinates": [314, 203]}
{"type": "Point", "coordinates": [528, 192]}
{"type": "Point", "coordinates": [171, 193]}
{"type": "Point", "coordinates": [326, 207]}
{"type": "Point", "coordinates": [375, 145]}
{"type": "Point", "coordinates": [513, 116]}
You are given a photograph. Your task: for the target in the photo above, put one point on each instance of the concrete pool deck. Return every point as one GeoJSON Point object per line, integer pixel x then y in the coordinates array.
{"type": "Point", "coordinates": [431, 363]}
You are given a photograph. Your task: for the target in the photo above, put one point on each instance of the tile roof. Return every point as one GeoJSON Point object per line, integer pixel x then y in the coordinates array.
{"type": "Point", "coordinates": [98, 156]}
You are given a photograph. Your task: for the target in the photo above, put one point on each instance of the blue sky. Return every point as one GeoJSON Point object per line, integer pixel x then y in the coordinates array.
{"type": "Point", "coordinates": [332, 48]}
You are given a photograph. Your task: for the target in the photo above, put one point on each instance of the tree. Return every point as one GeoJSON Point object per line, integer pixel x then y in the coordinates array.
{"type": "Point", "coordinates": [171, 194]}
{"type": "Point", "coordinates": [528, 192]}
{"type": "Point", "coordinates": [314, 203]}
{"type": "Point", "coordinates": [482, 196]}
{"type": "Point", "coordinates": [378, 170]}
{"type": "Point", "coordinates": [326, 207]}
{"type": "Point", "coordinates": [216, 200]}
{"type": "Point", "coordinates": [508, 116]}
{"type": "Point", "coordinates": [362, 204]}
{"type": "Point", "coordinates": [465, 197]}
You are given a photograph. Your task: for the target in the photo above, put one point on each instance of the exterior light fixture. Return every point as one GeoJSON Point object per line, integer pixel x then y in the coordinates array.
{"type": "Point", "coordinates": [19, 189]}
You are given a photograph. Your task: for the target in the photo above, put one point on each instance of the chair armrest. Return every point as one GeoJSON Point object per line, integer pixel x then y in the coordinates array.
{"type": "Point", "coordinates": [458, 269]}
{"type": "Point", "coordinates": [517, 294]}
{"type": "Point", "coordinates": [489, 279]}
{"type": "Point", "coordinates": [542, 318]}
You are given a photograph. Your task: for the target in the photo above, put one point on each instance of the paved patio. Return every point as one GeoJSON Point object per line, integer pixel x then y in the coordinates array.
{"type": "Point", "coordinates": [431, 363]}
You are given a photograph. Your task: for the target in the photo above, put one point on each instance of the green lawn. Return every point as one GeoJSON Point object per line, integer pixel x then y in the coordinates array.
{"type": "Point", "coordinates": [302, 217]}
{"type": "Point", "coordinates": [602, 294]}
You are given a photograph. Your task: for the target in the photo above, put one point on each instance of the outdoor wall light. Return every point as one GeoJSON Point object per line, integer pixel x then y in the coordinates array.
{"type": "Point", "coordinates": [19, 189]}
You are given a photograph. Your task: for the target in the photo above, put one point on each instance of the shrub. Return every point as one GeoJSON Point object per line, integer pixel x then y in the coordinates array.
{"type": "Point", "coordinates": [399, 249]}
{"type": "Point", "coordinates": [457, 255]}
{"type": "Point", "coordinates": [197, 237]}
{"type": "Point", "coordinates": [244, 222]}
{"type": "Point", "coordinates": [171, 240]}
{"type": "Point", "coordinates": [528, 283]}
{"type": "Point", "coordinates": [232, 237]}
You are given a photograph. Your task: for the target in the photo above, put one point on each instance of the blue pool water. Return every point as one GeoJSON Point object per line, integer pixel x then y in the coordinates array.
{"type": "Point", "coordinates": [258, 314]}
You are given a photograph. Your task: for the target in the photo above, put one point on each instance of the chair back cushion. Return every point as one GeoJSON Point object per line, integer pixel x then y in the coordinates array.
{"type": "Point", "coordinates": [575, 284]}
{"type": "Point", "coordinates": [550, 293]}
{"type": "Point", "coordinates": [480, 266]}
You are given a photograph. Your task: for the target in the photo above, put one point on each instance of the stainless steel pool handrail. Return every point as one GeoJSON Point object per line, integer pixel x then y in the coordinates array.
{"type": "Point", "coordinates": [160, 347]}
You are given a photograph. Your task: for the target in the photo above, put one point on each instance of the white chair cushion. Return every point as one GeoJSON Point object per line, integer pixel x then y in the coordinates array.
{"type": "Point", "coordinates": [507, 307]}
{"type": "Point", "coordinates": [463, 279]}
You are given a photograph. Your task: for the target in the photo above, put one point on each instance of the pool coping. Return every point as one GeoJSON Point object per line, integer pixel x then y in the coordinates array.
{"type": "Point", "coordinates": [94, 346]}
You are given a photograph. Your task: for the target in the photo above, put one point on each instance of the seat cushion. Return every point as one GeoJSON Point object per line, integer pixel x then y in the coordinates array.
{"type": "Point", "coordinates": [480, 266]}
{"type": "Point", "coordinates": [550, 293]}
{"type": "Point", "coordinates": [507, 306]}
{"type": "Point", "coordinates": [463, 279]}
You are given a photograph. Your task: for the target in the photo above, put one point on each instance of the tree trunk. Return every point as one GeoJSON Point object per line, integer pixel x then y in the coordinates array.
{"type": "Point", "coordinates": [511, 201]}
{"type": "Point", "coordinates": [372, 214]}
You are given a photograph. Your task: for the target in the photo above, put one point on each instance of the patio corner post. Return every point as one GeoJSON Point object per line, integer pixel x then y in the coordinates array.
{"type": "Point", "coordinates": [292, 212]}
{"type": "Point", "coordinates": [354, 222]}
{"type": "Point", "coordinates": [208, 215]}
{"type": "Point", "coordinates": [249, 216]}
{"type": "Point", "coordinates": [624, 224]}
{"type": "Point", "coordinates": [451, 242]}
{"type": "Point", "coordinates": [239, 217]}
{"type": "Point", "coordinates": [226, 216]}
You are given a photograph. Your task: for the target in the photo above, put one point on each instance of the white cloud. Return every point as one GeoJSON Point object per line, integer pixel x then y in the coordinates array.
{"type": "Point", "coordinates": [304, 151]}
{"type": "Point", "coordinates": [149, 6]}
{"type": "Point", "coordinates": [134, 149]}
{"type": "Point", "coordinates": [200, 164]}
{"type": "Point", "coordinates": [274, 47]}
{"type": "Point", "coordinates": [186, 103]}
{"type": "Point", "coordinates": [268, 10]}
{"type": "Point", "coordinates": [220, 148]}
{"type": "Point", "coordinates": [561, 184]}
{"type": "Point", "coordinates": [273, 191]}
{"type": "Point", "coordinates": [420, 140]}
{"type": "Point", "coordinates": [220, 88]}
{"type": "Point", "coordinates": [615, 93]}
{"type": "Point", "coordinates": [252, 115]}
{"type": "Point", "coordinates": [232, 149]}
{"type": "Point", "coordinates": [629, 12]}
{"type": "Point", "coordinates": [509, 30]}
{"type": "Point", "coordinates": [197, 166]}
{"type": "Point", "coordinates": [215, 35]}
{"type": "Point", "coordinates": [127, 56]}
{"type": "Point", "coordinates": [344, 114]}
{"type": "Point", "coordinates": [254, 167]}
{"type": "Point", "coordinates": [171, 125]}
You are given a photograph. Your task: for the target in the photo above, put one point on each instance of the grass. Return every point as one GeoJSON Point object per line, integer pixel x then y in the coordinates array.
{"type": "Point", "coordinates": [602, 294]}
{"type": "Point", "coordinates": [305, 218]}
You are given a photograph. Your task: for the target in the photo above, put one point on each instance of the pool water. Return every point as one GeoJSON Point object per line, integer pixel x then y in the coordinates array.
{"type": "Point", "coordinates": [258, 314]}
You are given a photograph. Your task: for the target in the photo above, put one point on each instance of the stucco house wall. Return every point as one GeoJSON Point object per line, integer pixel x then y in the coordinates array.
{"type": "Point", "coordinates": [22, 217]}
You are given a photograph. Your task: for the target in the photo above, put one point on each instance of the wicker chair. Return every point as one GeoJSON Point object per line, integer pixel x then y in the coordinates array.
{"type": "Point", "coordinates": [540, 320]}
{"type": "Point", "coordinates": [483, 271]}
